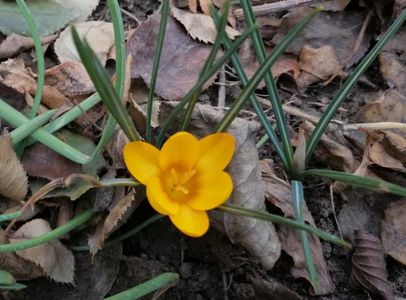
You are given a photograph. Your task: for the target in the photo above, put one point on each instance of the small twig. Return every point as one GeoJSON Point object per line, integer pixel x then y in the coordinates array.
{"type": "Point", "coordinates": [222, 89]}
{"type": "Point", "coordinates": [269, 7]}
{"type": "Point", "coordinates": [375, 126]}
{"type": "Point", "coordinates": [132, 16]}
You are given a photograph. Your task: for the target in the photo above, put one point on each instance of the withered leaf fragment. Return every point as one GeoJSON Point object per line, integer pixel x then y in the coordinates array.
{"type": "Point", "coordinates": [369, 267]}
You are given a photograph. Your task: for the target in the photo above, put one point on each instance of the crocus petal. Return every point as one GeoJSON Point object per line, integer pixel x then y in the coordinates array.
{"type": "Point", "coordinates": [180, 151]}
{"type": "Point", "coordinates": [191, 222]}
{"type": "Point", "coordinates": [216, 151]}
{"type": "Point", "coordinates": [159, 199]}
{"type": "Point", "coordinates": [210, 190]}
{"type": "Point", "coordinates": [142, 160]}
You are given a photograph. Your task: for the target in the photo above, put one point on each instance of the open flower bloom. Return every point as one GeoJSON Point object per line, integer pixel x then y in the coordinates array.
{"type": "Point", "coordinates": [185, 178]}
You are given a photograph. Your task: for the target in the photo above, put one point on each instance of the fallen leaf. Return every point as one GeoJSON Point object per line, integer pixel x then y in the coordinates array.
{"type": "Point", "coordinates": [20, 268]}
{"type": "Point", "coordinates": [49, 17]}
{"type": "Point", "coordinates": [332, 153]}
{"type": "Point", "coordinates": [54, 258]}
{"type": "Point", "coordinates": [317, 64]}
{"type": "Point", "coordinates": [115, 149]}
{"type": "Point", "coordinates": [285, 64]}
{"type": "Point", "coordinates": [369, 267]}
{"type": "Point", "coordinates": [258, 237]}
{"type": "Point", "coordinates": [340, 30]}
{"type": "Point", "coordinates": [395, 145]}
{"type": "Point", "coordinates": [279, 193]}
{"type": "Point", "coordinates": [389, 106]}
{"type": "Point", "coordinates": [398, 7]}
{"type": "Point", "coordinates": [98, 34]}
{"type": "Point", "coordinates": [14, 74]}
{"type": "Point", "coordinates": [13, 179]}
{"type": "Point", "coordinates": [393, 71]}
{"type": "Point", "coordinates": [117, 216]}
{"type": "Point", "coordinates": [71, 79]}
{"type": "Point", "coordinates": [379, 156]}
{"type": "Point", "coordinates": [182, 58]}
{"type": "Point", "coordinates": [82, 9]}
{"type": "Point", "coordinates": [335, 5]}
{"type": "Point", "coordinates": [204, 5]}
{"type": "Point", "coordinates": [200, 26]}
{"type": "Point", "coordinates": [192, 5]}
{"type": "Point", "coordinates": [273, 290]}
{"type": "Point", "coordinates": [15, 43]}
{"type": "Point", "coordinates": [393, 232]}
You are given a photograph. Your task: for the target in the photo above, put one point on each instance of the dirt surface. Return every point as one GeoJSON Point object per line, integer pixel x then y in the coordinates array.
{"type": "Point", "coordinates": [212, 267]}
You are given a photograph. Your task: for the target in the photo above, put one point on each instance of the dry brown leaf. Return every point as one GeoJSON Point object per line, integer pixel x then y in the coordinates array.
{"type": "Point", "coordinates": [369, 267]}
{"type": "Point", "coordinates": [20, 268]}
{"type": "Point", "coordinates": [340, 30]}
{"type": "Point", "coordinates": [192, 5]}
{"type": "Point", "coordinates": [182, 58]}
{"type": "Point", "coordinates": [205, 6]}
{"type": "Point", "coordinates": [272, 290]}
{"type": "Point", "coordinates": [279, 193]}
{"type": "Point", "coordinates": [53, 257]}
{"type": "Point", "coordinates": [393, 71]}
{"type": "Point", "coordinates": [258, 237]}
{"type": "Point", "coordinates": [14, 74]}
{"type": "Point", "coordinates": [40, 161]}
{"type": "Point", "coordinates": [115, 149]}
{"type": "Point", "coordinates": [15, 43]}
{"type": "Point", "coordinates": [388, 106]}
{"type": "Point", "coordinates": [118, 215]}
{"type": "Point", "coordinates": [13, 179]}
{"type": "Point", "coordinates": [331, 152]}
{"type": "Point", "coordinates": [379, 156]}
{"type": "Point", "coordinates": [71, 79]}
{"type": "Point", "coordinates": [318, 64]}
{"type": "Point", "coordinates": [200, 26]}
{"type": "Point", "coordinates": [395, 145]}
{"type": "Point", "coordinates": [98, 34]}
{"type": "Point", "coordinates": [394, 231]}
{"type": "Point", "coordinates": [285, 64]}
{"type": "Point", "coordinates": [398, 7]}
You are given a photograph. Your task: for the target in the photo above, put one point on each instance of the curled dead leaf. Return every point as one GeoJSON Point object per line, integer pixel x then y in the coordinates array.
{"type": "Point", "coordinates": [369, 267]}
{"type": "Point", "coordinates": [15, 43]}
{"type": "Point", "coordinates": [13, 179]}
{"type": "Point", "coordinates": [53, 257]}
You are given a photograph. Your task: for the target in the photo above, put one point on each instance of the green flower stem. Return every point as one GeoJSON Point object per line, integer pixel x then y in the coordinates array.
{"type": "Point", "coordinates": [10, 216]}
{"type": "Point", "coordinates": [155, 67]}
{"type": "Point", "coordinates": [270, 83]}
{"type": "Point", "coordinates": [359, 181]}
{"type": "Point", "coordinates": [345, 89]}
{"type": "Point", "coordinates": [25, 130]}
{"type": "Point", "coordinates": [179, 107]}
{"type": "Point", "coordinates": [39, 55]}
{"type": "Point", "coordinates": [260, 73]}
{"type": "Point", "coordinates": [147, 287]}
{"type": "Point", "coordinates": [241, 211]}
{"type": "Point", "coordinates": [47, 237]}
{"type": "Point", "coordinates": [119, 182]}
{"type": "Point", "coordinates": [262, 141]}
{"type": "Point", "coordinates": [123, 237]}
{"type": "Point", "coordinates": [297, 202]}
{"type": "Point", "coordinates": [16, 119]}
{"type": "Point", "coordinates": [260, 113]}
{"type": "Point", "coordinates": [221, 32]}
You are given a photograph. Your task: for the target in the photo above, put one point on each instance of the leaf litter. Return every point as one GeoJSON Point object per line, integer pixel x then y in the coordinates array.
{"type": "Point", "coordinates": [323, 55]}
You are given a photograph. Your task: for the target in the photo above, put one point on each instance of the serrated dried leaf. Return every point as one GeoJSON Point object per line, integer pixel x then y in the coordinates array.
{"type": "Point", "coordinates": [98, 34]}
{"type": "Point", "coordinates": [53, 257]}
{"type": "Point", "coordinates": [258, 237]}
{"type": "Point", "coordinates": [369, 267]}
{"type": "Point", "coordinates": [279, 193]}
{"type": "Point", "coordinates": [200, 26]}
{"type": "Point", "coordinates": [118, 215]}
{"type": "Point", "coordinates": [182, 58]}
{"type": "Point", "coordinates": [393, 71]}
{"type": "Point", "coordinates": [13, 179]}
{"type": "Point", "coordinates": [394, 231]}
{"type": "Point", "coordinates": [379, 156]}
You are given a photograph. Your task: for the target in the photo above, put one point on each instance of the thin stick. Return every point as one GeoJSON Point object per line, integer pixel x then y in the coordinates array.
{"type": "Point", "coordinates": [222, 88]}
{"type": "Point", "coordinates": [374, 126]}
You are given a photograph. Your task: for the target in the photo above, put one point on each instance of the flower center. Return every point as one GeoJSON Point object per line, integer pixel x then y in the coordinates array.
{"type": "Point", "coordinates": [180, 180]}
